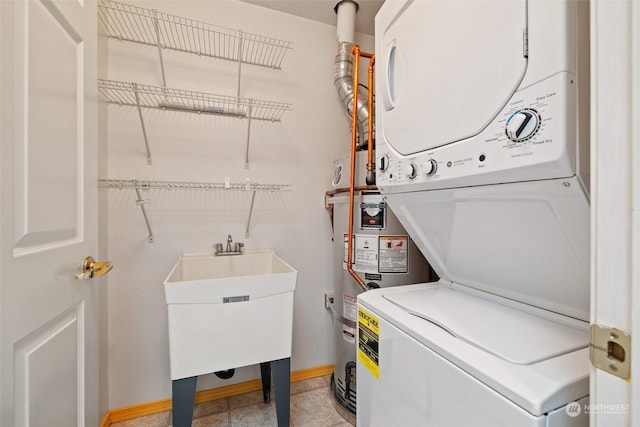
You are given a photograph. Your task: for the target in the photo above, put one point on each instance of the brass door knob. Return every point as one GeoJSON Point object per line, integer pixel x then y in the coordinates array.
{"type": "Point", "coordinates": [92, 268]}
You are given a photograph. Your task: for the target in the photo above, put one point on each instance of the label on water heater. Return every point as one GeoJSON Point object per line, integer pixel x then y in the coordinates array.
{"type": "Point", "coordinates": [372, 215]}
{"type": "Point", "coordinates": [378, 254]}
{"type": "Point", "coordinates": [366, 246]}
{"type": "Point", "coordinates": [364, 257]}
{"type": "Point", "coordinates": [346, 252]}
{"type": "Point", "coordinates": [349, 312]}
{"type": "Point", "coordinates": [393, 256]}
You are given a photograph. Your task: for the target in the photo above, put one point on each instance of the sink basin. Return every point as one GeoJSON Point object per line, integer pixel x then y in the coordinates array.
{"type": "Point", "coordinates": [226, 312]}
{"type": "Point", "coordinates": [204, 277]}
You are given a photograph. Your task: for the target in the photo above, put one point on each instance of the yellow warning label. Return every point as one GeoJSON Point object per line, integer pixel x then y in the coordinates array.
{"type": "Point", "coordinates": [368, 341]}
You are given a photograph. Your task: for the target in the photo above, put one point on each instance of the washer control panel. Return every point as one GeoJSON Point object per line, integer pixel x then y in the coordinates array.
{"type": "Point", "coordinates": [533, 137]}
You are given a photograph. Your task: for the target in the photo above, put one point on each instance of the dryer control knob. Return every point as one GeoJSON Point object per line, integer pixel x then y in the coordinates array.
{"type": "Point", "coordinates": [410, 171]}
{"type": "Point", "coordinates": [522, 125]}
{"type": "Point", "coordinates": [430, 167]}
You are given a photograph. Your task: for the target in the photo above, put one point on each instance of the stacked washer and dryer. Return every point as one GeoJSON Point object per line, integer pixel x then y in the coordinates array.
{"type": "Point", "coordinates": [483, 155]}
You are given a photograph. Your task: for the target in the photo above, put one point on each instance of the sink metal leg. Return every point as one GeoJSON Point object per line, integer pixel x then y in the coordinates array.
{"type": "Point", "coordinates": [282, 383]}
{"type": "Point", "coordinates": [183, 395]}
{"type": "Point", "coordinates": [265, 375]}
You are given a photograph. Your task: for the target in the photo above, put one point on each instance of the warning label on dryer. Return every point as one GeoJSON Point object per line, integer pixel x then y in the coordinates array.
{"type": "Point", "coordinates": [368, 341]}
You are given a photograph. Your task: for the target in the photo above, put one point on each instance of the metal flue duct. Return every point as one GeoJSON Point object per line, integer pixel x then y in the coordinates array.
{"type": "Point", "coordinates": [346, 12]}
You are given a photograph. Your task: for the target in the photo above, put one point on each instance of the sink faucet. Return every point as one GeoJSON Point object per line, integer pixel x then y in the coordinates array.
{"type": "Point", "coordinates": [229, 240]}
{"type": "Point", "coordinates": [236, 250]}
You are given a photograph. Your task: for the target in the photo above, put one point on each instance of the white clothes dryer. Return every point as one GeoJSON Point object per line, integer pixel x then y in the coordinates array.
{"type": "Point", "coordinates": [483, 155]}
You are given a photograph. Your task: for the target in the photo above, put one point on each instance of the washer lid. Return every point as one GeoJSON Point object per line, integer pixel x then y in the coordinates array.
{"type": "Point", "coordinates": [511, 334]}
{"type": "Point", "coordinates": [526, 241]}
{"type": "Point", "coordinates": [446, 68]}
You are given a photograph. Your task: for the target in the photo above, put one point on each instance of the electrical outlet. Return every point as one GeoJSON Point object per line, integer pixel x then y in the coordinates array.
{"type": "Point", "coordinates": [328, 299]}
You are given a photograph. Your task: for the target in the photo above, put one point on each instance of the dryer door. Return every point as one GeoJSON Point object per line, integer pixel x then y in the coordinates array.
{"type": "Point", "coordinates": [446, 68]}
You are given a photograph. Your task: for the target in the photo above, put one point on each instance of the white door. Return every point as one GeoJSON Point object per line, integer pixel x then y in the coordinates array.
{"type": "Point", "coordinates": [615, 189]}
{"type": "Point", "coordinates": [48, 213]}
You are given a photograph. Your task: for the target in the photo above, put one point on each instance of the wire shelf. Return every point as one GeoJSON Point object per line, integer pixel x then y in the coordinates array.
{"type": "Point", "coordinates": [134, 94]}
{"type": "Point", "coordinates": [150, 27]}
{"type": "Point", "coordinates": [137, 185]}
{"type": "Point", "coordinates": [186, 185]}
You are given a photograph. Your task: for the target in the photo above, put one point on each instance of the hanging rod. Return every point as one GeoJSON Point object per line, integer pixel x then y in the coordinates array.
{"type": "Point", "coordinates": [186, 185]}
{"type": "Point", "coordinates": [153, 28]}
{"type": "Point", "coordinates": [139, 95]}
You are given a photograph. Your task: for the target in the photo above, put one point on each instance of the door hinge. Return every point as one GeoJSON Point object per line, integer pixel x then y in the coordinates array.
{"type": "Point", "coordinates": [525, 43]}
{"type": "Point", "coordinates": [610, 350]}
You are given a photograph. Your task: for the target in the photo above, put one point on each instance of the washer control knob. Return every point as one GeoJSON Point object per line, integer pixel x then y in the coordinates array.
{"type": "Point", "coordinates": [383, 163]}
{"type": "Point", "coordinates": [522, 125]}
{"type": "Point", "coordinates": [430, 167]}
{"type": "Point", "coordinates": [410, 171]}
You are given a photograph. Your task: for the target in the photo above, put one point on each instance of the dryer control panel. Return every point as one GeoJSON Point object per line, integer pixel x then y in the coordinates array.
{"type": "Point", "coordinates": [533, 137]}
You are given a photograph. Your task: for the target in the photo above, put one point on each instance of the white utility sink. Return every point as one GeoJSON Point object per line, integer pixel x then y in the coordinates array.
{"type": "Point", "coordinates": [228, 311]}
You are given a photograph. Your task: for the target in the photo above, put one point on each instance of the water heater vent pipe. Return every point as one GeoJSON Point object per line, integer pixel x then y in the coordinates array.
{"type": "Point", "coordinates": [343, 78]}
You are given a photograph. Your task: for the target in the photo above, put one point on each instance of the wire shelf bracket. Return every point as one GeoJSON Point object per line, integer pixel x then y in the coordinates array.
{"type": "Point", "coordinates": [249, 116]}
{"type": "Point", "coordinates": [253, 199]}
{"type": "Point", "coordinates": [141, 202]}
{"type": "Point", "coordinates": [144, 128]}
{"type": "Point", "coordinates": [227, 185]}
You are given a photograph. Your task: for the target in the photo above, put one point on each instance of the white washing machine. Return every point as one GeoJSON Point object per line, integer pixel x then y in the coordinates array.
{"type": "Point", "coordinates": [483, 155]}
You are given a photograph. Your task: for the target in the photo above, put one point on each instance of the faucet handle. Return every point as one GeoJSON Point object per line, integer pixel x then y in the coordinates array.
{"type": "Point", "coordinates": [218, 247]}
{"type": "Point", "coordinates": [238, 247]}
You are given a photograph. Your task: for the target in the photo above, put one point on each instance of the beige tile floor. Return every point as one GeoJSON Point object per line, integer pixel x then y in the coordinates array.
{"type": "Point", "coordinates": [311, 406]}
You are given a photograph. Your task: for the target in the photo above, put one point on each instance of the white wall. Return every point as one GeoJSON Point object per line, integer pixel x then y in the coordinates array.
{"type": "Point", "coordinates": [191, 147]}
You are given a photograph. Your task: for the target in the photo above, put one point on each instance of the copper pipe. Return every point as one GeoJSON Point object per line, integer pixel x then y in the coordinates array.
{"type": "Point", "coordinates": [331, 193]}
{"type": "Point", "coordinates": [355, 50]}
{"type": "Point", "coordinates": [371, 167]}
